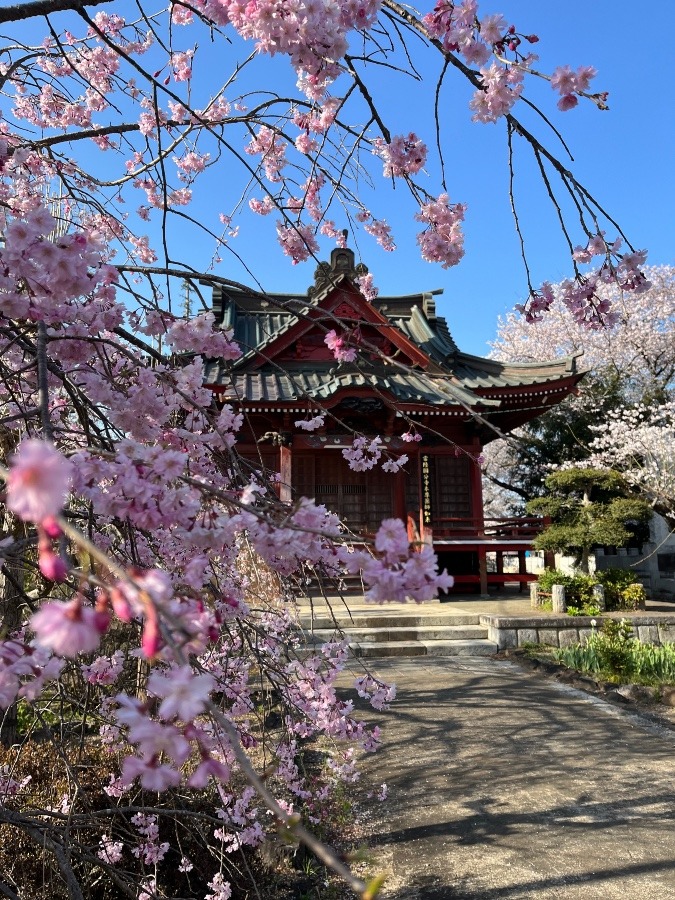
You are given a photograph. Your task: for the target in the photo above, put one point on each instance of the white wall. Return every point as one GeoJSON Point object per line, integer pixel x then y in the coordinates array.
{"type": "Point", "coordinates": [646, 563]}
{"type": "Point", "coordinates": [659, 584]}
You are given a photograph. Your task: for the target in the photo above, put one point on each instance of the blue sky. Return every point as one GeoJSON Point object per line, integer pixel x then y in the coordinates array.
{"type": "Point", "coordinates": [624, 156]}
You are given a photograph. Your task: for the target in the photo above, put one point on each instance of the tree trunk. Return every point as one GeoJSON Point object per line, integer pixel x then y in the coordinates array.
{"type": "Point", "coordinates": [11, 597]}
{"type": "Point", "coordinates": [12, 575]}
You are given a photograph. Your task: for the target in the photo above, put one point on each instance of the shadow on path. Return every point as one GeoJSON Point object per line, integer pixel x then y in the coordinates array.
{"type": "Point", "coordinates": [502, 784]}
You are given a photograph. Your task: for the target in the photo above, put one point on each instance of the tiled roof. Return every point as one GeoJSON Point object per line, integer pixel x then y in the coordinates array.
{"type": "Point", "coordinates": [454, 378]}
{"type": "Point", "coordinates": [309, 383]}
{"type": "Point", "coordinates": [476, 372]}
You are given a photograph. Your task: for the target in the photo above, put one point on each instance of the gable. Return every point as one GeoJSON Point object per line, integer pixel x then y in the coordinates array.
{"type": "Point", "coordinates": [343, 309]}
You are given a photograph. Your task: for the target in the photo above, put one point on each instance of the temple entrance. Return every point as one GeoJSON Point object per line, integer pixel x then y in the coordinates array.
{"type": "Point", "coordinates": [360, 499]}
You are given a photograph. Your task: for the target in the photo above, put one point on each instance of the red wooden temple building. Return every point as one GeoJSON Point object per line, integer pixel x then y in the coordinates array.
{"type": "Point", "coordinates": [409, 375]}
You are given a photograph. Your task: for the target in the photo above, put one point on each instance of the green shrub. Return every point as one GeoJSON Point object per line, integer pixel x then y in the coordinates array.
{"type": "Point", "coordinates": [586, 610]}
{"type": "Point", "coordinates": [633, 597]}
{"type": "Point", "coordinates": [615, 583]}
{"type": "Point", "coordinates": [578, 588]}
{"type": "Point", "coordinates": [606, 651]}
{"type": "Point", "coordinates": [615, 654]}
{"type": "Point", "coordinates": [622, 589]}
{"type": "Point", "coordinates": [549, 577]}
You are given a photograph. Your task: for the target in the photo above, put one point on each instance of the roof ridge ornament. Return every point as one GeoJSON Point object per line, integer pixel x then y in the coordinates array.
{"type": "Point", "coordinates": [342, 262]}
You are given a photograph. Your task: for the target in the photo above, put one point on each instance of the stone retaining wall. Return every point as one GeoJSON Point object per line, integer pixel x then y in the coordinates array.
{"type": "Point", "coordinates": [562, 631]}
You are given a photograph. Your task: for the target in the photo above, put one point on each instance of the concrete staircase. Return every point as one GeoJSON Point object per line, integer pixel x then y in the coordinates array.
{"type": "Point", "coordinates": [396, 629]}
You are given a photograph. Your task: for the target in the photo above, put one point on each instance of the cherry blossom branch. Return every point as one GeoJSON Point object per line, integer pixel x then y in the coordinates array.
{"type": "Point", "coordinates": [41, 838]}
{"type": "Point", "coordinates": [21, 11]}
{"type": "Point", "coordinates": [514, 211]}
{"type": "Point", "coordinates": [322, 851]}
{"type": "Point", "coordinates": [517, 126]}
{"type": "Point", "coordinates": [6, 890]}
{"type": "Point", "coordinates": [367, 96]}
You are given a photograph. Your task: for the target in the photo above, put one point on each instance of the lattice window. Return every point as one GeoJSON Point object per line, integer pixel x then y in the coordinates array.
{"type": "Point", "coordinates": [451, 488]}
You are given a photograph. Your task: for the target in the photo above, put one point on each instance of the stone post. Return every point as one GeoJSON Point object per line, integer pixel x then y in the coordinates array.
{"type": "Point", "coordinates": [534, 594]}
{"type": "Point", "coordinates": [599, 597]}
{"type": "Point", "coordinates": [559, 605]}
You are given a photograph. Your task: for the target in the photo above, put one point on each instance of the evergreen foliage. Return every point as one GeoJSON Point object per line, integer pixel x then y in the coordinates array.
{"type": "Point", "coordinates": [589, 508]}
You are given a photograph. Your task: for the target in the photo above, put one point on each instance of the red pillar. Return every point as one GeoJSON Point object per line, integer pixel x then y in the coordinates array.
{"type": "Point", "coordinates": [522, 570]}
{"type": "Point", "coordinates": [482, 571]}
{"type": "Point", "coordinates": [476, 489]}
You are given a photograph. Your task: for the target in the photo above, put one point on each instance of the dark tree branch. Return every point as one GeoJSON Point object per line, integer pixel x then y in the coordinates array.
{"type": "Point", "coordinates": [508, 487]}
{"type": "Point", "coordinates": [43, 8]}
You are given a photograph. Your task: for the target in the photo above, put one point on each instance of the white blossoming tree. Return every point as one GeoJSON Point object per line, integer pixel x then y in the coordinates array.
{"type": "Point", "coordinates": [631, 370]}
{"type": "Point", "coordinates": [639, 441]}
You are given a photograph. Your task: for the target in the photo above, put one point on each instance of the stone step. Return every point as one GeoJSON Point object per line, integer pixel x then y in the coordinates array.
{"type": "Point", "coordinates": [423, 648]}
{"type": "Point", "coordinates": [335, 601]}
{"type": "Point", "coordinates": [393, 620]}
{"type": "Point", "coordinates": [422, 633]}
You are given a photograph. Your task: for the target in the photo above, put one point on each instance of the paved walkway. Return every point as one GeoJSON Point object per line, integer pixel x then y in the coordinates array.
{"type": "Point", "coordinates": [505, 603]}
{"type": "Point", "coordinates": [503, 784]}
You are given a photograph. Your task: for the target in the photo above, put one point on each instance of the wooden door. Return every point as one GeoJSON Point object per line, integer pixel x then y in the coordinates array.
{"type": "Point", "coordinates": [360, 499]}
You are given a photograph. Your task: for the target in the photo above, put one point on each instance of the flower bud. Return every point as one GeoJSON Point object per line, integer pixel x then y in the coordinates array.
{"type": "Point", "coordinates": [51, 565]}
{"type": "Point", "coordinates": [51, 527]}
{"type": "Point", "coordinates": [121, 605]}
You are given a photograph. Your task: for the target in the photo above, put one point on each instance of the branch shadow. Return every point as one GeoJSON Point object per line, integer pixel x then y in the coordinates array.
{"type": "Point", "coordinates": [484, 761]}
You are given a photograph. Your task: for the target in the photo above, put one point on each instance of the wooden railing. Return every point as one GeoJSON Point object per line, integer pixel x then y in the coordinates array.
{"type": "Point", "coordinates": [518, 527]}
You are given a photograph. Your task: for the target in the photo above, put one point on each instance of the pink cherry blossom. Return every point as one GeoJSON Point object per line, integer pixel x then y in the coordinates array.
{"type": "Point", "coordinates": [262, 207]}
{"type": "Point", "coordinates": [221, 889]}
{"type": "Point", "coordinates": [297, 241]}
{"type": "Point", "coordinates": [38, 481]}
{"type": "Point", "coordinates": [104, 669]}
{"type": "Point", "coordinates": [502, 86]}
{"type": "Point", "coordinates": [199, 336]}
{"type": "Point", "coordinates": [395, 465]}
{"type": "Point", "coordinates": [153, 776]}
{"type": "Point", "coordinates": [207, 769]}
{"type": "Point", "coordinates": [51, 565]}
{"type": "Point", "coordinates": [338, 345]}
{"type": "Point", "coordinates": [69, 628]}
{"type": "Point", "coordinates": [381, 231]}
{"type": "Point", "coordinates": [567, 82]}
{"type": "Point", "coordinates": [442, 241]}
{"type": "Point", "coordinates": [364, 453]}
{"type": "Point", "coordinates": [404, 155]}
{"type": "Point", "coordinates": [366, 286]}
{"type": "Point", "coordinates": [566, 102]}
{"type": "Point", "coordinates": [111, 851]}
{"type": "Point", "coordinates": [184, 693]}
{"type": "Point", "coordinates": [310, 424]}
{"type": "Point", "coordinates": [392, 538]}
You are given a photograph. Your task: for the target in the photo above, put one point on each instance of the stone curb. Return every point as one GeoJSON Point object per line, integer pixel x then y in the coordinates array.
{"type": "Point", "coordinates": [609, 690]}
{"type": "Point", "coordinates": [563, 631]}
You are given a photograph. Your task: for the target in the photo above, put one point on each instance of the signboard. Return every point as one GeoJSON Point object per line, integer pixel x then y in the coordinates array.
{"type": "Point", "coordinates": [426, 490]}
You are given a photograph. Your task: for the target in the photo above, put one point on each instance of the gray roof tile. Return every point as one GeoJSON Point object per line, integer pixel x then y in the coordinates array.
{"type": "Point", "coordinates": [454, 378]}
